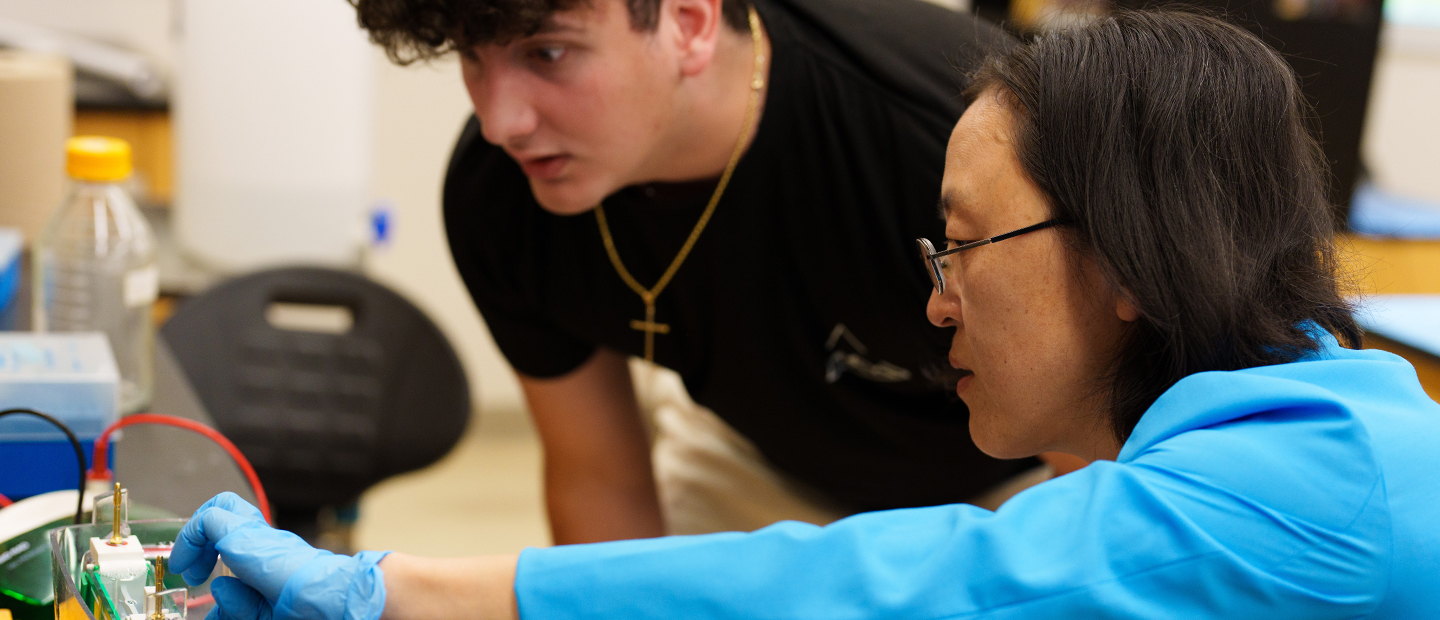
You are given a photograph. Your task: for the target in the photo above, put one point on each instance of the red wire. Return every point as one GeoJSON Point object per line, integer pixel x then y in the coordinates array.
{"type": "Point", "coordinates": [5, 501]}
{"type": "Point", "coordinates": [99, 470]}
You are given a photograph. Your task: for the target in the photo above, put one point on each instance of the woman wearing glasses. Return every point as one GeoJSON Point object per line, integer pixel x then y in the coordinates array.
{"type": "Point", "coordinates": [1139, 272]}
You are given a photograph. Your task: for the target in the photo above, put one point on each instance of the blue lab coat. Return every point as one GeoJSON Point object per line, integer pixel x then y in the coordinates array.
{"type": "Point", "coordinates": [1303, 490]}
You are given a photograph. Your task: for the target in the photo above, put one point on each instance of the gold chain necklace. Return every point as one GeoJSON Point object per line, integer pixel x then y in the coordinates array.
{"type": "Point", "coordinates": [649, 326]}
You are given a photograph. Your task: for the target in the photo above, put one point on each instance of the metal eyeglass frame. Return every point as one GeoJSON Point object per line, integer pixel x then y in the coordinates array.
{"type": "Point", "coordinates": [931, 257]}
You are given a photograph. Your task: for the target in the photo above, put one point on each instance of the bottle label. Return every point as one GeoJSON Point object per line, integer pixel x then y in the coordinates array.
{"type": "Point", "coordinates": [142, 286]}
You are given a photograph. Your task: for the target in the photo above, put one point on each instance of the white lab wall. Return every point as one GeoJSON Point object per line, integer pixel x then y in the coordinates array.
{"type": "Point", "coordinates": [418, 114]}
{"type": "Point", "coordinates": [140, 25]}
{"type": "Point", "coordinates": [273, 117]}
{"type": "Point", "coordinates": [1402, 131]}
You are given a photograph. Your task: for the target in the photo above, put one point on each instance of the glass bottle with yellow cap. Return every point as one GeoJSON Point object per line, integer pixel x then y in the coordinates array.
{"type": "Point", "coordinates": [95, 264]}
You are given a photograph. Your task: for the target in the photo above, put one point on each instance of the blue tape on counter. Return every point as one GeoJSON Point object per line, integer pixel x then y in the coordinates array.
{"type": "Point", "coordinates": [9, 283]}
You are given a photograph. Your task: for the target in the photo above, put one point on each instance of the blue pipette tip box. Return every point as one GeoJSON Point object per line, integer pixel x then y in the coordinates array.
{"type": "Point", "coordinates": [72, 377]}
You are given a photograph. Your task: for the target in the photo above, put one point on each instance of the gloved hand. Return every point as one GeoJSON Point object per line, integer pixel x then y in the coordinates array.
{"type": "Point", "coordinates": [279, 576]}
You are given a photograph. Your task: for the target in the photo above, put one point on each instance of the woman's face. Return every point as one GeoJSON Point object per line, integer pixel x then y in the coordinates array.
{"type": "Point", "coordinates": [1036, 325]}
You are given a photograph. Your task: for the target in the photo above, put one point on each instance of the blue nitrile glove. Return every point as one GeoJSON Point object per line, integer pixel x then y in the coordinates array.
{"type": "Point", "coordinates": [279, 576]}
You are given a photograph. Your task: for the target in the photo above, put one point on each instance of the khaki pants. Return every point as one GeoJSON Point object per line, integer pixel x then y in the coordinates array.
{"type": "Point", "coordinates": [712, 479]}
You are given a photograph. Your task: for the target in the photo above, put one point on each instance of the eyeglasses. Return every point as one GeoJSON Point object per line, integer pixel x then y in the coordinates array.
{"type": "Point", "coordinates": [936, 268]}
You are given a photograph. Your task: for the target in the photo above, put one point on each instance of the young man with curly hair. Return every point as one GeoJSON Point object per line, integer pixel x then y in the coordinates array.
{"type": "Point", "coordinates": [731, 190]}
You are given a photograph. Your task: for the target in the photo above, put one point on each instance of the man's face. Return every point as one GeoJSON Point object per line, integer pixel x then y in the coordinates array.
{"type": "Point", "coordinates": [579, 105]}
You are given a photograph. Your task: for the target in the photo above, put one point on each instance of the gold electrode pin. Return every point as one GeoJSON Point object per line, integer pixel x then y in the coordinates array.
{"type": "Point", "coordinates": [159, 612]}
{"type": "Point", "coordinates": [115, 537]}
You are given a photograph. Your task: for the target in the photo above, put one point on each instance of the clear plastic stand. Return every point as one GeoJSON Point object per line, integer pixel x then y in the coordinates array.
{"type": "Point", "coordinates": [172, 605]}
{"type": "Point", "coordinates": [104, 511]}
{"type": "Point", "coordinates": [78, 598]}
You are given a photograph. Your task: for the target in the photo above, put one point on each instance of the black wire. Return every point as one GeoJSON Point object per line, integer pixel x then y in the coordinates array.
{"type": "Point", "coordinates": [79, 454]}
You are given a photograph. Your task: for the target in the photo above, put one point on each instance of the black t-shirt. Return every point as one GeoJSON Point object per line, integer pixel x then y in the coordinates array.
{"type": "Point", "coordinates": [799, 317]}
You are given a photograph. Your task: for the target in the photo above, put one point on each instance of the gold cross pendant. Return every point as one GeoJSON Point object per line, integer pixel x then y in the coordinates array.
{"type": "Point", "coordinates": [650, 327]}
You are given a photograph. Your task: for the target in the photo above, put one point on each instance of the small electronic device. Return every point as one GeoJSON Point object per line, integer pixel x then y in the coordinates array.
{"type": "Point", "coordinates": [119, 577]}
{"type": "Point", "coordinates": [112, 568]}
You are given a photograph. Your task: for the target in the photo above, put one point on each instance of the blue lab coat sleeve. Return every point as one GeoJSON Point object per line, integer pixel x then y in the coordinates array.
{"type": "Point", "coordinates": [1240, 491]}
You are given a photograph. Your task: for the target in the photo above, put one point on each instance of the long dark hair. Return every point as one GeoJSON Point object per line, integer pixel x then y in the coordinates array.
{"type": "Point", "coordinates": [1179, 147]}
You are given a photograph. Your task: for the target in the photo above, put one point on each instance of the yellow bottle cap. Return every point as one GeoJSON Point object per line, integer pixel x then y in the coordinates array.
{"type": "Point", "coordinates": [97, 158]}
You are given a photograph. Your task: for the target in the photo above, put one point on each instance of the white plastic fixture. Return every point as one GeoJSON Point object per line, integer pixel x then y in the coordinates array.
{"type": "Point", "coordinates": [125, 558]}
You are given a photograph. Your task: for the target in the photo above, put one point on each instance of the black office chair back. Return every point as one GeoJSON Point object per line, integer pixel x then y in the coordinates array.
{"type": "Point", "coordinates": [321, 416]}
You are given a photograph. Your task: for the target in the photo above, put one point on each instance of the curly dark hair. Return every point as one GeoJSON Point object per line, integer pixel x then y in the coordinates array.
{"type": "Point", "coordinates": [1180, 149]}
{"type": "Point", "coordinates": [412, 30]}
